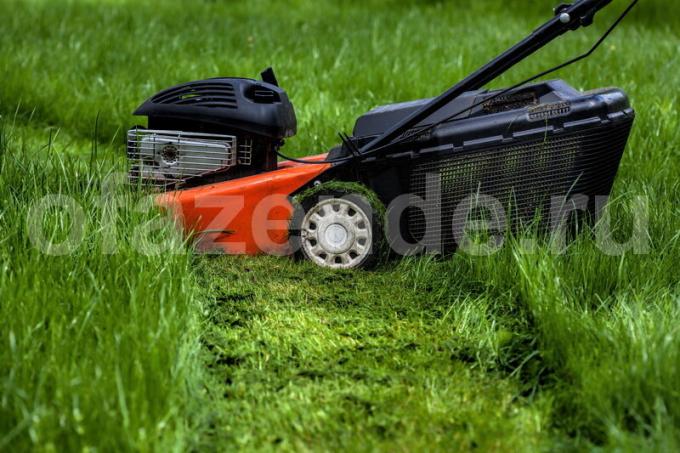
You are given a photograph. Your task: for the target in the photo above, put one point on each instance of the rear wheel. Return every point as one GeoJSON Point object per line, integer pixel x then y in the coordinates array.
{"type": "Point", "coordinates": [337, 231]}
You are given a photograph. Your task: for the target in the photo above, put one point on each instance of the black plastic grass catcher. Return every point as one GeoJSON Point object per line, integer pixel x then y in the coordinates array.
{"type": "Point", "coordinates": [527, 147]}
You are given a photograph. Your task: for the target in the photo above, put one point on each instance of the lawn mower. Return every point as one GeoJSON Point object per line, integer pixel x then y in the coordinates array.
{"type": "Point", "coordinates": [212, 148]}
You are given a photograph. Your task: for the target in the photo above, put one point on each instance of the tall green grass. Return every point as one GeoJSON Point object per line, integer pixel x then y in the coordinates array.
{"type": "Point", "coordinates": [99, 347]}
{"type": "Point", "coordinates": [518, 351]}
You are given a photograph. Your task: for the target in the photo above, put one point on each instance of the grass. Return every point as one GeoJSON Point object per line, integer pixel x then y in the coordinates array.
{"type": "Point", "coordinates": [103, 340]}
{"type": "Point", "coordinates": [132, 351]}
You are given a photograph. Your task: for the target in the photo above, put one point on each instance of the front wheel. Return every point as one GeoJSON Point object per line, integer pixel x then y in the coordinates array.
{"type": "Point", "coordinates": [337, 231]}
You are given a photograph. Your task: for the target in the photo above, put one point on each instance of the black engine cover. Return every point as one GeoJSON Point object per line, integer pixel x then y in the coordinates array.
{"type": "Point", "coordinates": [223, 105]}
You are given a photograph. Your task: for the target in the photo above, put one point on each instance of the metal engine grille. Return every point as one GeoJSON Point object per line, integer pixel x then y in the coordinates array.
{"type": "Point", "coordinates": [169, 158]}
{"type": "Point", "coordinates": [245, 151]}
{"type": "Point", "coordinates": [522, 176]}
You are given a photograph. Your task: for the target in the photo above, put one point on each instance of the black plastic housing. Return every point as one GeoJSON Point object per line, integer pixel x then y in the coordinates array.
{"type": "Point", "coordinates": [525, 110]}
{"type": "Point", "coordinates": [223, 105]}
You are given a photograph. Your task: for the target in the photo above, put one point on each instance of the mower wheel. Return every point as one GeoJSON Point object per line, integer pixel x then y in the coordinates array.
{"type": "Point", "coordinates": [337, 230]}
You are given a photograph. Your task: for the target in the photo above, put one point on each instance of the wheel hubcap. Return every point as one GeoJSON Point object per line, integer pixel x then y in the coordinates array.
{"type": "Point", "coordinates": [336, 233]}
{"type": "Point", "coordinates": [336, 236]}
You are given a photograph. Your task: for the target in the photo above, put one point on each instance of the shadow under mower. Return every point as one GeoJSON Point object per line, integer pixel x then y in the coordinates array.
{"type": "Point", "coordinates": [212, 147]}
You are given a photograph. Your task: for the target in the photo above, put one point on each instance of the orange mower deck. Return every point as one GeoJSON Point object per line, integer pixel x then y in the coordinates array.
{"type": "Point", "coordinates": [248, 215]}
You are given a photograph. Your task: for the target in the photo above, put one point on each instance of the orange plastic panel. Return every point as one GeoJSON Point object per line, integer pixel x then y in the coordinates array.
{"type": "Point", "coordinates": [243, 216]}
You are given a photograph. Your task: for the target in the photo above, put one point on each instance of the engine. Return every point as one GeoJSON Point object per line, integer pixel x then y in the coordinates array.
{"type": "Point", "coordinates": [210, 130]}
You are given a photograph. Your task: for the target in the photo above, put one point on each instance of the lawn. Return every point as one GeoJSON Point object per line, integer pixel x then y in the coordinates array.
{"type": "Point", "coordinates": [110, 348]}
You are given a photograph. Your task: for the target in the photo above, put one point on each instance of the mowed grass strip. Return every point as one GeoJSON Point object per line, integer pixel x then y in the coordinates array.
{"type": "Point", "coordinates": [323, 360]}
{"type": "Point", "coordinates": [526, 350]}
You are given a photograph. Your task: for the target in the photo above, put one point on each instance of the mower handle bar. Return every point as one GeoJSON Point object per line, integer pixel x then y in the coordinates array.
{"type": "Point", "coordinates": [567, 17]}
